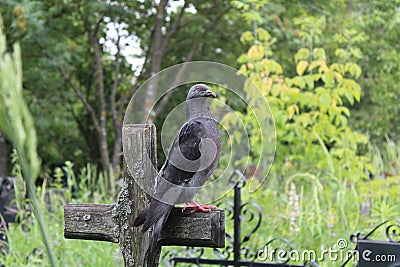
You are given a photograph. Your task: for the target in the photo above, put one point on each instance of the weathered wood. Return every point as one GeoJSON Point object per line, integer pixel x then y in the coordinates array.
{"type": "Point", "coordinates": [90, 221]}
{"type": "Point", "coordinates": [114, 223]}
{"type": "Point", "coordinates": [195, 230]}
{"type": "Point", "coordinates": [96, 222]}
{"type": "Point", "coordinates": [140, 142]}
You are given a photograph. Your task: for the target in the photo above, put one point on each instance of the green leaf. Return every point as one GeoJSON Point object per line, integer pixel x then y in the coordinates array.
{"type": "Point", "coordinates": [356, 52]}
{"type": "Point", "coordinates": [325, 99]}
{"type": "Point", "coordinates": [340, 68]}
{"type": "Point", "coordinates": [353, 69]}
{"type": "Point", "coordinates": [340, 120]}
{"type": "Point", "coordinates": [319, 54]}
{"type": "Point", "coordinates": [299, 81]}
{"type": "Point", "coordinates": [263, 35]}
{"type": "Point", "coordinates": [344, 110]}
{"type": "Point", "coordinates": [301, 67]}
{"type": "Point", "coordinates": [247, 37]}
{"type": "Point", "coordinates": [302, 54]}
{"type": "Point", "coordinates": [272, 66]}
{"type": "Point", "coordinates": [256, 52]}
{"type": "Point", "coordinates": [341, 53]}
{"type": "Point", "coordinates": [310, 81]}
{"type": "Point", "coordinates": [349, 97]}
{"type": "Point", "coordinates": [328, 78]}
{"type": "Point", "coordinates": [243, 58]}
{"type": "Point", "coordinates": [288, 82]}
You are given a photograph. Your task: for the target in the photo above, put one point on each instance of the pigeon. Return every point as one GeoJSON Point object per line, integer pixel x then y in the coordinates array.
{"type": "Point", "coordinates": [193, 156]}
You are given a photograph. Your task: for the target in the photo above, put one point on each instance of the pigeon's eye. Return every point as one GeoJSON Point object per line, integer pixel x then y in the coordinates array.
{"type": "Point", "coordinates": [198, 88]}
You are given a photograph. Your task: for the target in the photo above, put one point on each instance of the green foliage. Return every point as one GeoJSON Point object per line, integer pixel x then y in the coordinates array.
{"type": "Point", "coordinates": [310, 59]}
{"type": "Point", "coordinates": [363, 32]}
{"type": "Point", "coordinates": [53, 35]}
{"type": "Point", "coordinates": [378, 113]}
{"type": "Point", "coordinates": [90, 186]}
{"type": "Point", "coordinates": [24, 246]}
{"type": "Point", "coordinates": [309, 110]}
{"type": "Point", "coordinates": [319, 188]}
{"type": "Point", "coordinates": [15, 120]}
{"type": "Point", "coordinates": [17, 124]}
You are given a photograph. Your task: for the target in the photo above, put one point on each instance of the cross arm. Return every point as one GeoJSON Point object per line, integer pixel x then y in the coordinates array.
{"type": "Point", "coordinates": [98, 222]}
{"type": "Point", "coordinates": [196, 230]}
{"type": "Point", "coordinates": [90, 222]}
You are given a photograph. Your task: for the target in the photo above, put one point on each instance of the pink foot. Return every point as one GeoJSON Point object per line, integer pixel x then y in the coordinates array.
{"type": "Point", "coordinates": [197, 208]}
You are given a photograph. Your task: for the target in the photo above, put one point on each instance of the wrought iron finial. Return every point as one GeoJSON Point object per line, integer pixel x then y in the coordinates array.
{"type": "Point", "coordinates": [393, 231]}
{"type": "Point", "coordinates": [240, 180]}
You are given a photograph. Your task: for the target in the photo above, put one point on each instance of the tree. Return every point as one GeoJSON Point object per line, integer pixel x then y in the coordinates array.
{"type": "Point", "coordinates": [378, 113]}
{"type": "Point", "coordinates": [368, 30]}
{"type": "Point", "coordinates": [310, 107]}
{"type": "Point", "coordinates": [86, 79]}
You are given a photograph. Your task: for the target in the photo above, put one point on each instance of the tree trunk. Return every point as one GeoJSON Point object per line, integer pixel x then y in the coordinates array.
{"type": "Point", "coordinates": [102, 124]}
{"type": "Point", "coordinates": [117, 112]}
{"type": "Point", "coordinates": [155, 64]}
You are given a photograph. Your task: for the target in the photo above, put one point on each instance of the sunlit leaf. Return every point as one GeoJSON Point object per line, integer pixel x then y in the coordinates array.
{"type": "Point", "coordinates": [301, 67]}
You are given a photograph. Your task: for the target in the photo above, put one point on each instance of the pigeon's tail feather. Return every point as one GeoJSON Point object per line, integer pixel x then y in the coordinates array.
{"type": "Point", "coordinates": [151, 214]}
{"type": "Point", "coordinates": [156, 232]}
{"type": "Point", "coordinates": [158, 211]}
{"type": "Point", "coordinates": [141, 217]}
{"type": "Point", "coordinates": [153, 248]}
{"type": "Point", "coordinates": [153, 252]}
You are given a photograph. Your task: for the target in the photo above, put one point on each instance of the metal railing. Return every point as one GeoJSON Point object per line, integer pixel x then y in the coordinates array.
{"type": "Point", "coordinates": [237, 251]}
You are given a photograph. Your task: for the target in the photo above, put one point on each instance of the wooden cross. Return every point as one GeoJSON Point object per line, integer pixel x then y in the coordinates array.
{"type": "Point", "coordinates": [114, 222]}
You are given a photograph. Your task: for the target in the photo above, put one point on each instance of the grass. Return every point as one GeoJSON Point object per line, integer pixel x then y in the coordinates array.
{"type": "Point", "coordinates": [24, 242]}
{"type": "Point", "coordinates": [312, 211]}
{"type": "Point", "coordinates": [26, 249]}
{"type": "Point", "coordinates": [17, 124]}
{"type": "Point", "coordinates": [315, 211]}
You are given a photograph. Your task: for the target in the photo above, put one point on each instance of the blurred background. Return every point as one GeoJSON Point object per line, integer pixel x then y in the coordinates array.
{"type": "Point", "coordinates": [330, 71]}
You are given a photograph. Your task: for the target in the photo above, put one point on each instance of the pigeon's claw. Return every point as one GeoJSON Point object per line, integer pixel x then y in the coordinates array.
{"type": "Point", "coordinates": [194, 207]}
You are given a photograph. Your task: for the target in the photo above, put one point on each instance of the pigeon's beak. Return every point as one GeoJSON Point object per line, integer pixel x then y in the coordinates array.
{"type": "Point", "coordinates": [210, 93]}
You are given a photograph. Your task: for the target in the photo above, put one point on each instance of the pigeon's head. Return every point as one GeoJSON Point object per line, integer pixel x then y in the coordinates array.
{"type": "Point", "coordinates": [199, 90]}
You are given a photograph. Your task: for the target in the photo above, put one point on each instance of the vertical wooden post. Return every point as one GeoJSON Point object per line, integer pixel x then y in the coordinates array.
{"type": "Point", "coordinates": [140, 141]}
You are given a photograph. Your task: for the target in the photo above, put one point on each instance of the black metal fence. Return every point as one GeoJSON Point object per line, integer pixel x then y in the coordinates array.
{"type": "Point", "coordinates": [371, 251]}
{"type": "Point", "coordinates": [237, 252]}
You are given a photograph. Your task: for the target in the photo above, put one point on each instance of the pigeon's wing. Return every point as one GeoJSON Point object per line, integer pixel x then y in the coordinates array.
{"type": "Point", "coordinates": [189, 139]}
{"type": "Point", "coordinates": [186, 145]}
{"type": "Point", "coordinates": [187, 142]}
{"type": "Point", "coordinates": [209, 160]}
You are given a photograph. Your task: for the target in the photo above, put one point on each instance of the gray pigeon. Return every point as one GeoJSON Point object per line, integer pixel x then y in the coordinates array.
{"type": "Point", "coordinates": [192, 158]}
